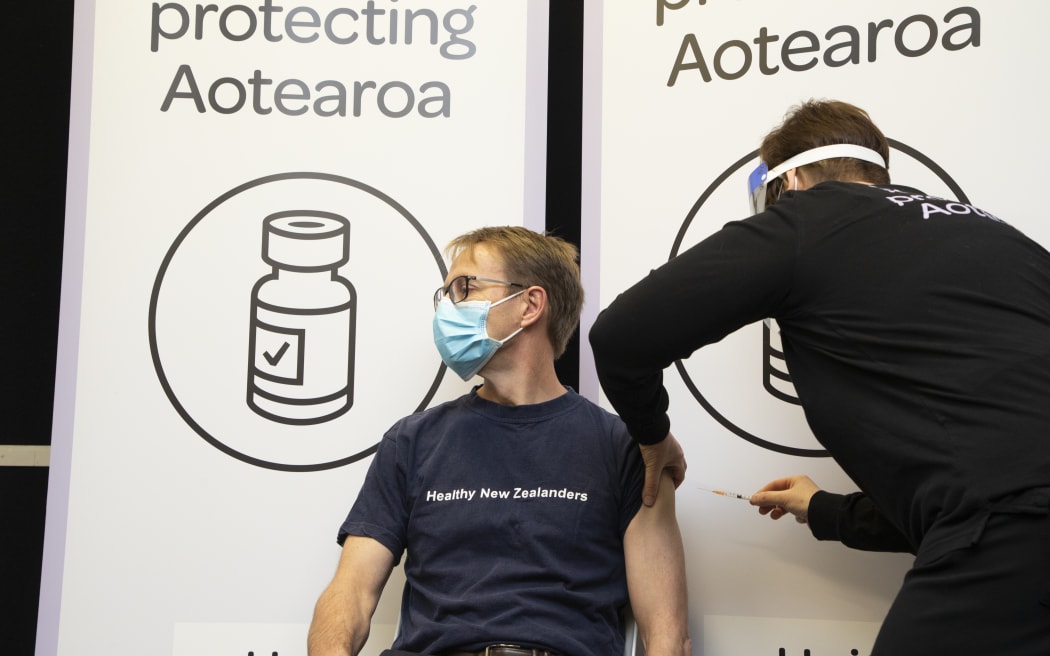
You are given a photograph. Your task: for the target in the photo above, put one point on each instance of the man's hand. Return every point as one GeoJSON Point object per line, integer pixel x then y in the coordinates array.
{"type": "Point", "coordinates": [786, 495]}
{"type": "Point", "coordinates": [666, 455]}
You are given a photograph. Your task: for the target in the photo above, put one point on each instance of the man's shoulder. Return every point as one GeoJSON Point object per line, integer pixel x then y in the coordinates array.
{"type": "Point", "coordinates": [589, 411]}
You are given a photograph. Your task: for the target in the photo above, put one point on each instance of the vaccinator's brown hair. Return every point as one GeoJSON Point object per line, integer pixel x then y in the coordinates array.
{"type": "Point", "coordinates": [818, 123]}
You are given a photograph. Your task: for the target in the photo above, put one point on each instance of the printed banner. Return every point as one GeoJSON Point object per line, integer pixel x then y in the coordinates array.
{"type": "Point", "coordinates": [266, 193]}
{"type": "Point", "coordinates": [680, 93]}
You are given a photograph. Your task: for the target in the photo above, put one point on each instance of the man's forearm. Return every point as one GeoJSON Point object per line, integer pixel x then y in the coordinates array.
{"type": "Point", "coordinates": [656, 578]}
{"type": "Point", "coordinates": [336, 629]}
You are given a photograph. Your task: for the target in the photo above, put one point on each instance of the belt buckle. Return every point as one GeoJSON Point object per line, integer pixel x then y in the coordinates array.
{"type": "Point", "coordinates": [500, 646]}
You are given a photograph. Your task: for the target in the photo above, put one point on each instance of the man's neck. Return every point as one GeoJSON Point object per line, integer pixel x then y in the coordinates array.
{"type": "Point", "coordinates": [522, 386]}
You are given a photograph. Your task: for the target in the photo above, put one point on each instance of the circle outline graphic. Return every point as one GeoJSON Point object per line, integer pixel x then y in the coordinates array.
{"type": "Point", "coordinates": [158, 282]}
{"type": "Point", "coordinates": [676, 247]}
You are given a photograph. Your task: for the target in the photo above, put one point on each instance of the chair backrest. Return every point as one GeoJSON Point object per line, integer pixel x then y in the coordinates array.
{"type": "Point", "coordinates": [630, 635]}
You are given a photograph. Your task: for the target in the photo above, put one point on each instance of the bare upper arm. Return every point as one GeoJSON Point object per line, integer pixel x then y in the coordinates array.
{"type": "Point", "coordinates": [661, 513]}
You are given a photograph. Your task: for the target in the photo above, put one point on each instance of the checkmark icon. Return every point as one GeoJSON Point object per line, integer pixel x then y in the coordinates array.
{"type": "Point", "coordinates": [275, 358]}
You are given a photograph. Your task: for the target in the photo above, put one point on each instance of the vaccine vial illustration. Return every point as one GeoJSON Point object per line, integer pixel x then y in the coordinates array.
{"type": "Point", "coordinates": [303, 321]}
{"type": "Point", "coordinates": [775, 377]}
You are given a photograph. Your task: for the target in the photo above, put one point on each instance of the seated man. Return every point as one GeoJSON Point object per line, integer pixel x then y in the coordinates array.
{"type": "Point", "coordinates": [518, 504]}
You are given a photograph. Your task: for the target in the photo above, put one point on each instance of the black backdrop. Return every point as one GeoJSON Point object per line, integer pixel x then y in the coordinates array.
{"type": "Point", "coordinates": [38, 50]}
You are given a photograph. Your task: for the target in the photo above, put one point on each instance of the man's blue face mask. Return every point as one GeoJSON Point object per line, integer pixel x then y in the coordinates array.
{"type": "Point", "coordinates": [461, 337]}
{"type": "Point", "coordinates": [763, 175]}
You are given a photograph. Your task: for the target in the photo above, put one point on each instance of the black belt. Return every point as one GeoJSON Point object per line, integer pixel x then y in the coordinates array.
{"type": "Point", "coordinates": [505, 650]}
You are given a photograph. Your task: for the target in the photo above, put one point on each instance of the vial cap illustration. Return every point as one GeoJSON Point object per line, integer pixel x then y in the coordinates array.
{"type": "Point", "coordinates": [306, 241]}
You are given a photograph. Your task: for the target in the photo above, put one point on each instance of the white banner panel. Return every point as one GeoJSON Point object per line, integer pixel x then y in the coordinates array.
{"type": "Point", "coordinates": [679, 94]}
{"type": "Point", "coordinates": [259, 196]}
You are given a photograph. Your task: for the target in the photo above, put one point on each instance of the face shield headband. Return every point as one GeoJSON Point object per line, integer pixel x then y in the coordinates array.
{"type": "Point", "coordinates": [762, 175]}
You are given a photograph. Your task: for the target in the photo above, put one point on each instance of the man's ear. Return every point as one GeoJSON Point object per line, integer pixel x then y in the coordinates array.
{"type": "Point", "coordinates": [535, 305]}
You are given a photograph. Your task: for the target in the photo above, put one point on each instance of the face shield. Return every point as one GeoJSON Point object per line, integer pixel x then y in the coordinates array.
{"type": "Point", "coordinates": [763, 175]}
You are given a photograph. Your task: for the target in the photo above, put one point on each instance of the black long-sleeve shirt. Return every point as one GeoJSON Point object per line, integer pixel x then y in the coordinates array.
{"type": "Point", "coordinates": [853, 520]}
{"type": "Point", "coordinates": [916, 331]}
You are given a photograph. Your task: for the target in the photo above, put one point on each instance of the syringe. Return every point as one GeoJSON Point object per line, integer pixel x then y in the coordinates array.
{"type": "Point", "coordinates": [723, 493]}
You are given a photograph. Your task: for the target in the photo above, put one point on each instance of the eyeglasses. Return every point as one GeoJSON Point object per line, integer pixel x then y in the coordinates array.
{"type": "Point", "coordinates": [459, 288]}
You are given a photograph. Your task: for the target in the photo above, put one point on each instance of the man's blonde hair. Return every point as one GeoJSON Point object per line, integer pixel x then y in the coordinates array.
{"type": "Point", "coordinates": [531, 258]}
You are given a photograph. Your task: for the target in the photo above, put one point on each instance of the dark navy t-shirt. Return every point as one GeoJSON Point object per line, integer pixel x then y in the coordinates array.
{"type": "Point", "coordinates": [512, 519]}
